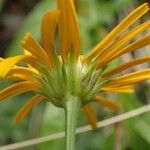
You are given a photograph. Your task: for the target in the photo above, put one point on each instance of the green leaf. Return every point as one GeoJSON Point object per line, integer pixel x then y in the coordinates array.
{"type": "Point", "coordinates": [139, 124]}
{"type": "Point", "coordinates": [143, 129]}
{"type": "Point", "coordinates": [136, 142]}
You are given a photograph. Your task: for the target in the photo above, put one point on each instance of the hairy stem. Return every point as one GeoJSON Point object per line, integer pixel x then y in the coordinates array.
{"type": "Point", "coordinates": [72, 106]}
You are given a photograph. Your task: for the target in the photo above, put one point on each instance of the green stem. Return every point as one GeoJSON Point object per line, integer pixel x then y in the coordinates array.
{"type": "Point", "coordinates": [72, 106]}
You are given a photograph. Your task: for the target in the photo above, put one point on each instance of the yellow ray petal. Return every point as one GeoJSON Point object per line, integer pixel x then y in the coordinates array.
{"type": "Point", "coordinates": [30, 66]}
{"type": "Point", "coordinates": [32, 62]}
{"type": "Point", "coordinates": [129, 82]}
{"type": "Point", "coordinates": [7, 64]}
{"type": "Point", "coordinates": [141, 73]}
{"type": "Point", "coordinates": [131, 78]}
{"type": "Point", "coordinates": [27, 107]}
{"type": "Point", "coordinates": [48, 26]}
{"type": "Point", "coordinates": [21, 77]}
{"type": "Point", "coordinates": [130, 48]}
{"type": "Point", "coordinates": [22, 73]}
{"type": "Point", "coordinates": [123, 89]}
{"type": "Point", "coordinates": [22, 70]}
{"type": "Point", "coordinates": [115, 106]}
{"type": "Point", "coordinates": [114, 47]}
{"type": "Point", "coordinates": [1, 59]}
{"type": "Point", "coordinates": [68, 29]}
{"type": "Point", "coordinates": [26, 52]}
{"type": "Point", "coordinates": [17, 88]}
{"type": "Point", "coordinates": [126, 66]}
{"type": "Point", "coordinates": [129, 20]}
{"type": "Point", "coordinates": [90, 116]}
{"type": "Point", "coordinates": [30, 45]}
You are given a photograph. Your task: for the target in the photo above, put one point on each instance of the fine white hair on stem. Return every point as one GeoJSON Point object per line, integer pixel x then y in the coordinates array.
{"type": "Point", "coordinates": [83, 129]}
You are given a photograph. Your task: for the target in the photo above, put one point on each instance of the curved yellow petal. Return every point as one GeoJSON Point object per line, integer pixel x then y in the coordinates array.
{"type": "Point", "coordinates": [1, 59]}
{"type": "Point", "coordinates": [91, 117]}
{"type": "Point", "coordinates": [22, 70]}
{"type": "Point", "coordinates": [32, 62]}
{"type": "Point", "coordinates": [131, 78]}
{"type": "Point", "coordinates": [115, 106]}
{"type": "Point", "coordinates": [129, 82]}
{"type": "Point", "coordinates": [26, 52]}
{"type": "Point", "coordinates": [114, 47]}
{"type": "Point", "coordinates": [30, 45]}
{"type": "Point", "coordinates": [130, 48]}
{"type": "Point", "coordinates": [23, 73]}
{"type": "Point", "coordinates": [141, 73]}
{"type": "Point", "coordinates": [69, 36]}
{"type": "Point", "coordinates": [48, 27]}
{"type": "Point", "coordinates": [28, 61]}
{"type": "Point", "coordinates": [20, 77]}
{"type": "Point", "coordinates": [126, 66]}
{"type": "Point", "coordinates": [129, 20]}
{"type": "Point", "coordinates": [27, 107]}
{"type": "Point", "coordinates": [18, 88]}
{"type": "Point", "coordinates": [7, 64]}
{"type": "Point", "coordinates": [120, 89]}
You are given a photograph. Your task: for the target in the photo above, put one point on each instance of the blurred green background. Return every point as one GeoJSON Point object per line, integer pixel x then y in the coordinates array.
{"type": "Point", "coordinates": [96, 19]}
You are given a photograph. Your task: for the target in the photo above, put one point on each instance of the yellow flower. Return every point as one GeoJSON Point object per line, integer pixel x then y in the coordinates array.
{"type": "Point", "coordinates": [53, 74]}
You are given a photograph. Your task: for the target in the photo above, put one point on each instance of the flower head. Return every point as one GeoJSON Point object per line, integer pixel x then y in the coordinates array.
{"type": "Point", "coordinates": [54, 74]}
